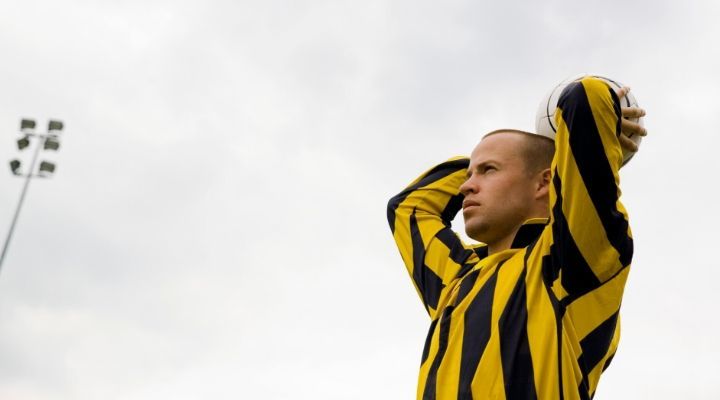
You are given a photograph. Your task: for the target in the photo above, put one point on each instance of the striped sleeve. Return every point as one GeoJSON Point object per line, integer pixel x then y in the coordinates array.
{"type": "Point", "coordinates": [588, 243]}
{"type": "Point", "coordinates": [591, 238]}
{"type": "Point", "coordinates": [419, 219]}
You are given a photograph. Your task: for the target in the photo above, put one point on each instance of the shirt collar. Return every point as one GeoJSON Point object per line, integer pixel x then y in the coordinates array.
{"type": "Point", "coordinates": [529, 232]}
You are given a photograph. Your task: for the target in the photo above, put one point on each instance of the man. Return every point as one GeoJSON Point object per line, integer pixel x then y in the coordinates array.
{"type": "Point", "coordinates": [533, 311]}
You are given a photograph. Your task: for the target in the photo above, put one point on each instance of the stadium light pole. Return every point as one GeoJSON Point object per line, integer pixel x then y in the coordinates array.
{"type": "Point", "coordinates": [49, 141]}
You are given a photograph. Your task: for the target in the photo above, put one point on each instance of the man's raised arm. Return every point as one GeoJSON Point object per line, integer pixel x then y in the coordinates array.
{"type": "Point", "coordinates": [591, 238]}
{"type": "Point", "coordinates": [420, 218]}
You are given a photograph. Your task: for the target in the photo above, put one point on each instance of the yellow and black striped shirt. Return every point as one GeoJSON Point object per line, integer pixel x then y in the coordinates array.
{"type": "Point", "coordinates": [539, 320]}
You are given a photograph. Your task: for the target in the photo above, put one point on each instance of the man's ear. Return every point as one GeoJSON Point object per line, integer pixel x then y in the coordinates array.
{"type": "Point", "coordinates": [543, 183]}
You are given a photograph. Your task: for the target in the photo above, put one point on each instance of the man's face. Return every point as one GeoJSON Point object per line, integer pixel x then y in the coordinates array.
{"type": "Point", "coordinates": [499, 193]}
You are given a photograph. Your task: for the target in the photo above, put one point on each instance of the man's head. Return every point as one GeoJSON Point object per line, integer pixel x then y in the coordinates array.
{"type": "Point", "coordinates": [507, 183]}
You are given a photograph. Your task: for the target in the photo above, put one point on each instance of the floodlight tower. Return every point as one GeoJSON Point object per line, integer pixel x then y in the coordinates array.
{"type": "Point", "coordinates": [49, 141]}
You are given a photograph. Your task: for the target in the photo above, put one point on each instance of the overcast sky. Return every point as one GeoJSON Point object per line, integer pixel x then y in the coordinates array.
{"type": "Point", "coordinates": [216, 225]}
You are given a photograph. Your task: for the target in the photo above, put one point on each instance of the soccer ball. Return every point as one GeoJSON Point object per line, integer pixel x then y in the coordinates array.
{"type": "Point", "coordinates": [545, 124]}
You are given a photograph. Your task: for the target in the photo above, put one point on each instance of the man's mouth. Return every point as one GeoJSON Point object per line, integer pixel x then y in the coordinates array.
{"type": "Point", "coordinates": [469, 203]}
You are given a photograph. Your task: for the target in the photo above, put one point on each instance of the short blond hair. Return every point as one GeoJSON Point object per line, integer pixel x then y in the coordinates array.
{"type": "Point", "coordinates": [538, 151]}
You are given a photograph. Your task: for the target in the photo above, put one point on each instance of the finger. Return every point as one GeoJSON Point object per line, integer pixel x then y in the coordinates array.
{"type": "Point", "coordinates": [629, 128]}
{"type": "Point", "coordinates": [632, 112]}
{"type": "Point", "coordinates": [627, 144]}
{"type": "Point", "coordinates": [622, 91]}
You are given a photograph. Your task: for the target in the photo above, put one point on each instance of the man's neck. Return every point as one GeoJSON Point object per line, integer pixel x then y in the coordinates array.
{"type": "Point", "coordinates": [506, 242]}
{"type": "Point", "coordinates": [502, 244]}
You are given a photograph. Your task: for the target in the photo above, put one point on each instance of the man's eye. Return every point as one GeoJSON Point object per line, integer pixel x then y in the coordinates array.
{"type": "Point", "coordinates": [489, 168]}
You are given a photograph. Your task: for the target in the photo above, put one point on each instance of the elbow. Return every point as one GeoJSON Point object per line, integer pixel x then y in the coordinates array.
{"type": "Point", "coordinates": [392, 206]}
{"type": "Point", "coordinates": [626, 253]}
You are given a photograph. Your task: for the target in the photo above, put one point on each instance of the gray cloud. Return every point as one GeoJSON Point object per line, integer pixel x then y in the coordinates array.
{"type": "Point", "coordinates": [216, 227]}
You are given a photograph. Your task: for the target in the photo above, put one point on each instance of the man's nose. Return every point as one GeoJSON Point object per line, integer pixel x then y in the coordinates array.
{"type": "Point", "coordinates": [468, 187]}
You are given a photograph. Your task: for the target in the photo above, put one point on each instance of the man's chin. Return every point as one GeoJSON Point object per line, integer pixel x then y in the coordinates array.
{"type": "Point", "coordinates": [475, 232]}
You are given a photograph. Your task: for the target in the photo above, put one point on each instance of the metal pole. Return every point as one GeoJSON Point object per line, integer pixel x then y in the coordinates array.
{"type": "Point", "coordinates": [22, 198]}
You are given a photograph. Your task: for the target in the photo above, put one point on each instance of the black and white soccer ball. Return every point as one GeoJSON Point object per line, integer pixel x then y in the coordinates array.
{"type": "Point", "coordinates": [546, 125]}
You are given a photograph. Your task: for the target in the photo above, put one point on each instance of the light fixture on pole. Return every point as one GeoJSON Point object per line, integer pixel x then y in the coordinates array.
{"type": "Point", "coordinates": [50, 141]}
